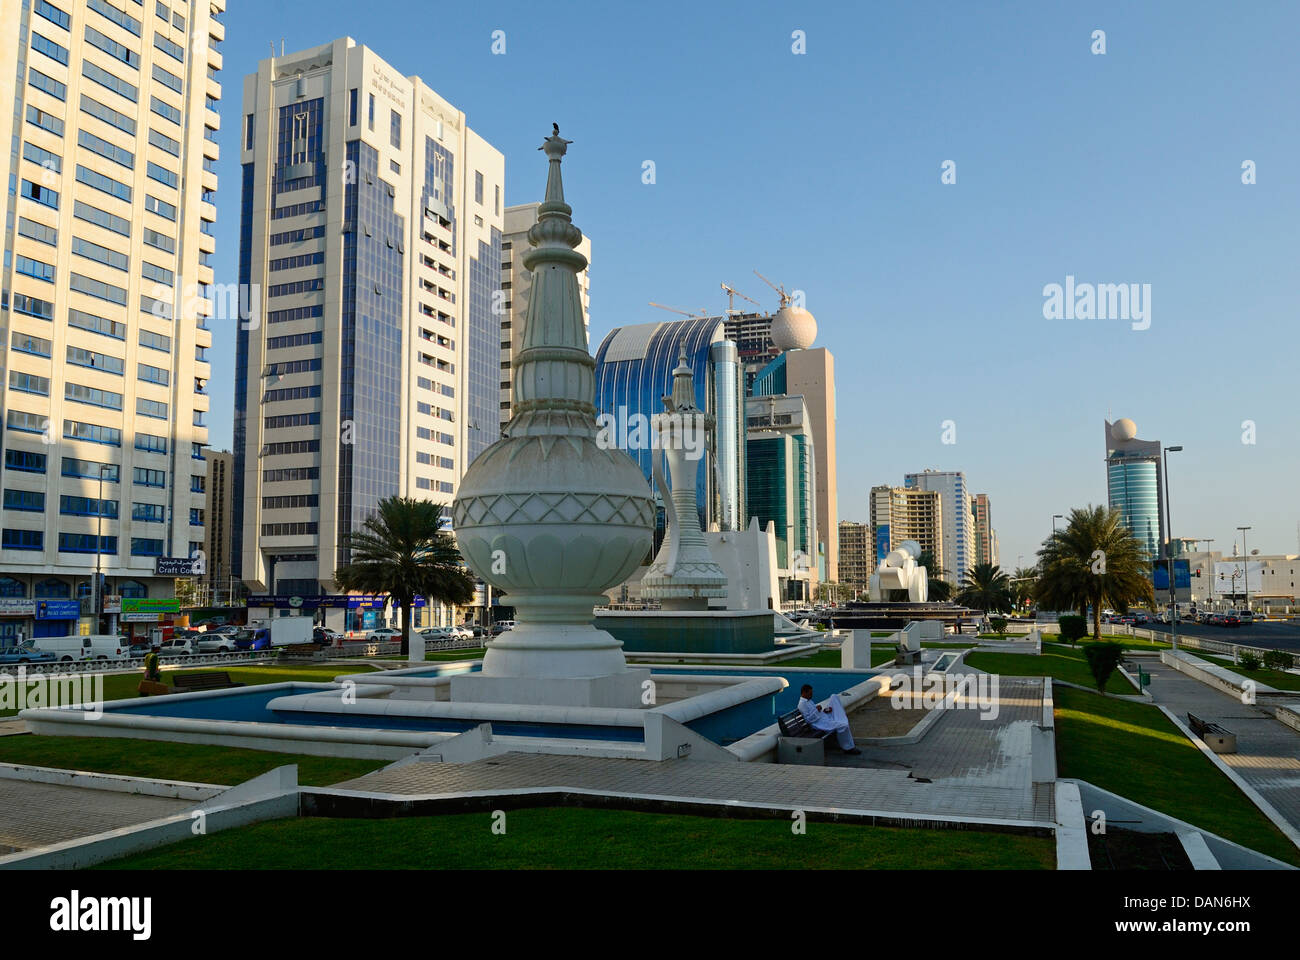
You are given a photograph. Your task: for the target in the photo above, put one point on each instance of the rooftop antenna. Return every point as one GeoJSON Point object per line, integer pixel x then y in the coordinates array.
{"type": "Point", "coordinates": [785, 297]}
{"type": "Point", "coordinates": [282, 46]}
{"type": "Point", "coordinates": [272, 43]}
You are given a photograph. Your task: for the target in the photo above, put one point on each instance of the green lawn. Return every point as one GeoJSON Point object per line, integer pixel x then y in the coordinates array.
{"type": "Point", "coordinates": [1274, 678]}
{"type": "Point", "coordinates": [567, 838]}
{"type": "Point", "coordinates": [123, 685]}
{"type": "Point", "coordinates": [1130, 643]}
{"type": "Point", "coordinates": [1132, 749]}
{"type": "Point", "coordinates": [173, 761]}
{"type": "Point", "coordinates": [1061, 662]}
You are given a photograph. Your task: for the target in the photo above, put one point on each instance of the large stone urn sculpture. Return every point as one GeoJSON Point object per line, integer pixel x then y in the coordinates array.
{"type": "Point", "coordinates": [547, 515]}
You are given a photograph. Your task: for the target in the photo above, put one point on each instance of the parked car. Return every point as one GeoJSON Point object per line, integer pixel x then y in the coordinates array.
{"type": "Point", "coordinates": [383, 635]}
{"type": "Point", "coordinates": [215, 643]}
{"type": "Point", "coordinates": [178, 647]}
{"type": "Point", "coordinates": [439, 634]}
{"type": "Point", "coordinates": [501, 626]}
{"type": "Point", "coordinates": [25, 653]}
{"type": "Point", "coordinates": [228, 630]}
{"type": "Point", "coordinates": [138, 649]}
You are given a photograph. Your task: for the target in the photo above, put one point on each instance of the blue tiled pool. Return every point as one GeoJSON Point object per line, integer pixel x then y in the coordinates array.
{"type": "Point", "coordinates": [725, 726]}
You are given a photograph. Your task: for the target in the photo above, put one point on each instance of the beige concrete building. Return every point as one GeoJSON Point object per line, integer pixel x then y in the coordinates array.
{"type": "Point", "coordinates": [857, 554]}
{"type": "Point", "coordinates": [372, 228]}
{"type": "Point", "coordinates": [900, 513]}
{"type": "Point", "coordinates": [516, 282]}
{"type": "Point", "coordinates": [107, 308]}
{"type": "Point", "coordinates": [811, 375]}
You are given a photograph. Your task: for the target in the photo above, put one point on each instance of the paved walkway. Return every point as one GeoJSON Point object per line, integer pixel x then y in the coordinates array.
{"type": "Point", "coordinates": [964, 767]}
{"type": "Point", "coordinates": [39, 814]}
{"type": "Point", "coordinates": [1268, 751]}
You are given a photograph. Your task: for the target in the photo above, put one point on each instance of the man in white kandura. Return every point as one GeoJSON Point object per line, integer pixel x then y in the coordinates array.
{"type": "Point", "coordinates": [830, 718]}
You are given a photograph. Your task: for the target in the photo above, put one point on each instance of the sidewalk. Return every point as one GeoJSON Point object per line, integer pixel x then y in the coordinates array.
{"type": "Point", "coordinates": [1268, 751]}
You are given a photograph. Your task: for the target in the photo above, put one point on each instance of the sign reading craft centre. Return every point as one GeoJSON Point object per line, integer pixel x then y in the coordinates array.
{"type": "Point", "coordinates": [176, 567]}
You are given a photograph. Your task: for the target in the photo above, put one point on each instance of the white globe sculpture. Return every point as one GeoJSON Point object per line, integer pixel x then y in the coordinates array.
{"type": "Point", "coordinates": [1123, 430]}
{"type": "Point", "coordinates": [793, 328]}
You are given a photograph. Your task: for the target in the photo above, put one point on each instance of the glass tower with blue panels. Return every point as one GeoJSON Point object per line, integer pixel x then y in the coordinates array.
{"type": "Point", "coordinates": [634, 367]}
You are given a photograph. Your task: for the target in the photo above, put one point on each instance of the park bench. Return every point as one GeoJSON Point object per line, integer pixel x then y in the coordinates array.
{"type": "Point", "coordinates": [306, 651]}
{"type": "Point", "coordinates": [800, 742]}
{"type": "Point", "coordinates": [208, 680]}
{"type": "Point", "coordinates": [1216, 737]}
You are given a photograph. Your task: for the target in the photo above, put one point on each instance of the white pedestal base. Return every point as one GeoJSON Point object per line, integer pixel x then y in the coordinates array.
{"type": "Point", "coordinates": [615, 690]}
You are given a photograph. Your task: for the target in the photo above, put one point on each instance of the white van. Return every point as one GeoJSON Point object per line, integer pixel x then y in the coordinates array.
{"type": "Point", "coordinates": [103, 646]}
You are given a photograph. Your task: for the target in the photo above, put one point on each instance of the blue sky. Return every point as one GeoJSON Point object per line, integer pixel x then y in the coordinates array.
{"type": "Point", "coordinates": [822, 171]}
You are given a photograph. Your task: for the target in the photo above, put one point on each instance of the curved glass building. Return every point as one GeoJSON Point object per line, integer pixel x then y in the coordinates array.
{"type": "Point", "coordinates": [634, 367]}
{"type": "Point", "coordinates": [1133, 484]}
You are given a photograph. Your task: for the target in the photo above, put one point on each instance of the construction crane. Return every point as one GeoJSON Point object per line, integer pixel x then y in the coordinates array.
{"type": "Point", "coordinates": [785, 297]}
{"type": "Point", "coordinates": [684, 313]}
{"type": "Point", "coordinates": [732, 293]}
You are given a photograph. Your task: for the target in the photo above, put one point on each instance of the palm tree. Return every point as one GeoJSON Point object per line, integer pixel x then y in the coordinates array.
{"type": "Point", "coordinates": [1022, 584]}
{"type": "Point", "coordinates": [939, 589]}
{"type": "Point", "coordinates": [1095, 561]}
{"type": "Point", "coordinates": [401, 551]}
{"type": "Point", "coordinates": [985, 587]}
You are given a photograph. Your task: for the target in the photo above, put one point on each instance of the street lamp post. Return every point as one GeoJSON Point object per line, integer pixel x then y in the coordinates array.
{"type": "Point", "coordinates": [1245, 566]}
{"type": "Point", "coordinates": [1055, 517]}
{"type": "Point", "coordinates": [1169, 550]}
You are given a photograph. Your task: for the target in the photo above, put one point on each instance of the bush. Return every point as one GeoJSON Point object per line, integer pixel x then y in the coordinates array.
{"type": "Point", "coordinates": [999, 624]}
{"type": "Point", "coordinates": [1073, 628]}
{"type": "Point", "coordinates": [1247, 661]}
{"type": "Point", "coordinates": [1103, 658]}
{"type": "Point", "coordinates": [1279, 660]}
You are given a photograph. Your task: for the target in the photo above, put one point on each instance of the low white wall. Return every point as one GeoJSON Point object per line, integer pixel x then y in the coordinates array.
{"type": "Point", "coordinates": [1211, 674]}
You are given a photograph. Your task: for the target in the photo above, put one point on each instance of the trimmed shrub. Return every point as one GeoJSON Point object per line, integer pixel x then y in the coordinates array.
{"type": "Point", "coordinates": [1103, 658]}
{"type": "Point", "coordinates": [1279, 660]}
{"type": "Point", "coordinates": [1247, 661]}
{"type": "Point", "coordinates": [1073, 628]}
{"type": "Point", "coordinates": [999, 624]}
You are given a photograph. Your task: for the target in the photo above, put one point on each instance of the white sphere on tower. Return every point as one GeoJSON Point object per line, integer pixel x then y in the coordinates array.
{"type": "Point", "coordinates": [1123, 430]}
{"type": "Point", "coordinates": [793, 328]}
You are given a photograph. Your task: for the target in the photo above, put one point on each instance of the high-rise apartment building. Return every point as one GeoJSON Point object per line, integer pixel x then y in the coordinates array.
{"type": "Point", "coordinates": [218, 571]}
{"type": "Point", "coordinates": [899, 514]}
{"type": "Point", "coordinates": [958, 524]}
{"type": "Point", "coordinates": [985, 538]}
{"type": "Point", "coordinates": [106, 306]}
{"type": "Point", "coordinates": [516, 282]}
{"type": "Point", "coordinates": [371, 235]}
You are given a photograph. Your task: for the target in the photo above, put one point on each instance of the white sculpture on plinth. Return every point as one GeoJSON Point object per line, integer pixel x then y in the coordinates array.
{"type": "Point", "coordinates": [548, 515]}
{"type": "Point", "coordinates": [900, 571]}
{"type": "Point", "coordinates": [684, 575]}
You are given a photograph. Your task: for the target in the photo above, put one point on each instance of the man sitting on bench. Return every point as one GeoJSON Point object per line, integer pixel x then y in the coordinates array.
{"type": "Point", "coordinates": [831, 719]}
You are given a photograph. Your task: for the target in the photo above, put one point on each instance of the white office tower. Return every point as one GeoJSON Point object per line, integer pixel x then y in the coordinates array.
{"type": "Point", "coordinates": [371, 235]}
{"type": "Point", "coordinates": [106, 308]}
{"type": "Point", "coordinates": [958, 524]}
